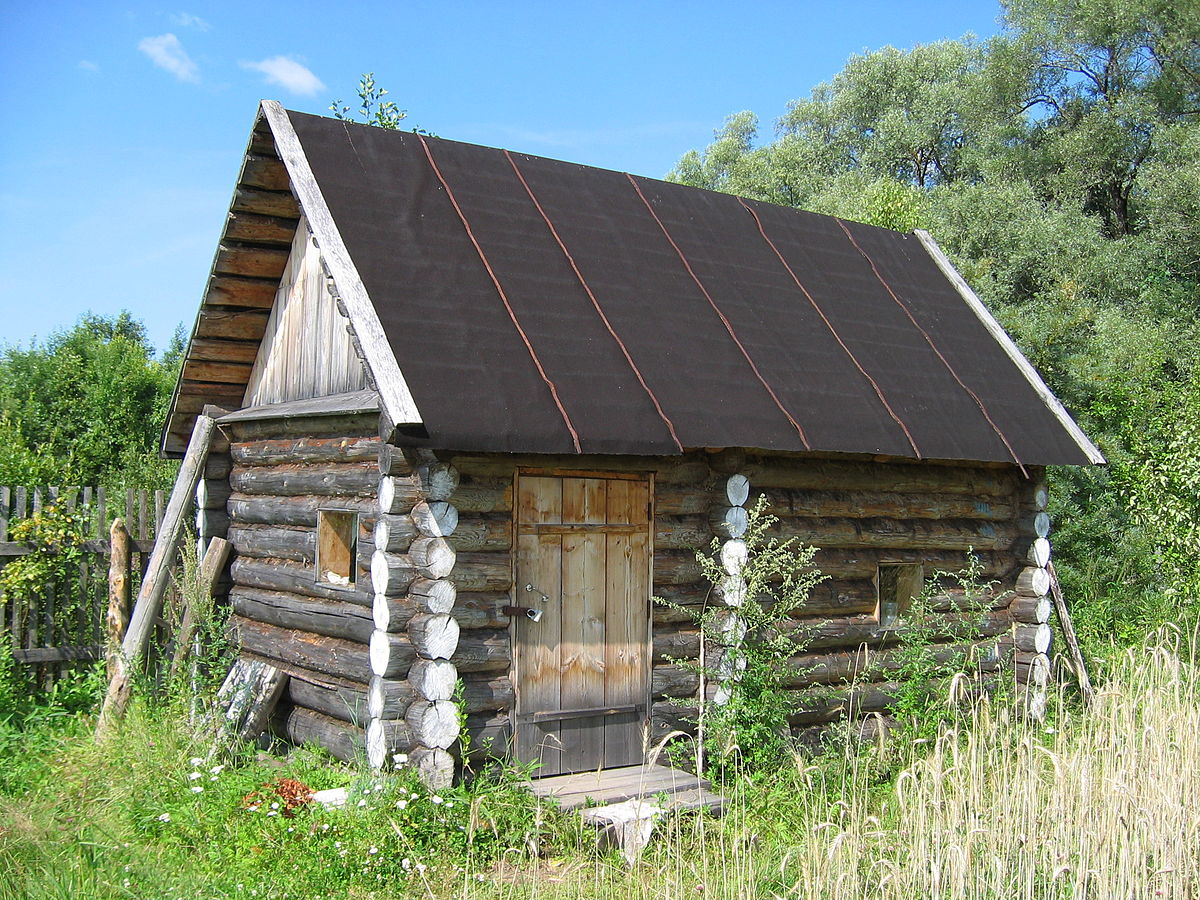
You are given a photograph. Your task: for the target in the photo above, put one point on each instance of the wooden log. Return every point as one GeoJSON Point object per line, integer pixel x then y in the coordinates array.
{"type": "Point", "coordinates": [1033, 581]}
{"type": "Point", "coordinates": [344, 703]}
{"type": "Point", "coordinates": [235, 324]}
{"type": "Point", "coordinates": [490, 736]}
{"type": "Point", "coordinates": [1041, 497]}
{"type": "Point", "coordinates": [723, 521]}
{"type": "Point", "coordinates": [678, 643]}
{"type": "Point", "coordinates": [668, 680]}
{"type": "Point", "coordinates": [324, 617]}
{"type": "Point", "coordinates": [483, 651]}
{"type": "Point", "coordinates": [674, 567]}
{"type": "Point", "coordinates": [492, 534]}
{"type": "Point", "coordinates": [1068, 629]}
{"type": "Point", "coordinates": [854, 563]}
{"type": "Point", "coordinates": [389, 698]}
{"type": "Point", "coordinates": [434, 636]}
{"type": "Point", "coordinates": [339, 426]}
{"type": "Point", "coordinates": [433, 679]}
{"type": "Point", "coordinates": [119, 593]}
{"type": "Point", "coordinates": [433, 557]}
{"type": "Point", "coordinates": [850, 631]}
{"type": "Point", "coordinates": [157, 576]}
{"type": "Point", "coordinates": [394, 460]}
{"type": "Point", "coordinates": [734, 554]}
{"type": "Point", "coordinates": [305, 450]}
{"type": "Point", "coordinates": [259, 229]}
{"type": "Point", "coordinates": [483, 496]}
{"type": "Point", "coordinates": [394, 533]}
{"type": "Point", "coordinates": [250, 261]}
{"type": "Point", "coordinates": [438, 480]}
{"type": "Point", "coordinates": [392, 613]}
{"type": "Point", "coordinates": [482, 610]}
{"type": "Point", "coordinates": [1038, 553]}
{"type": "Point", "coordinates": [1032, 638]}
{"type": "Point", "coordinates": [265, 172]}
{"type": "Point", "coordinates": [332, 656]}
{"type": "Point", "coordinates": [487, 692]}
{"type": "Point", "coordinates": [437, 518]}
{"type": "Point", "coordinates": [347, 742]}
{"type": "Point", "coordinates": [1032, 669]}
{"type": "Point", "coordinates": [433, 723]}
{"type": "Point", "coordinates": [330, 480]}
{"type": "Point", "coordinates": [1030, 610]}
{"type": "Point", "coordinates": [398, 494]}
{"type": "Point", "coordinates": [264, 510]}
{"type": "Point", "coordinates": [737, 490]}
{"type": "Point", "coordinates": [212, 523]}
{"type": "Point", "coordinates": [433, 595]}
{"type": "Point", "coordinates": [483, 572]}
{"type": "Point", "coordinates": [435, 767]}
{"type": "Point", "coordinates": [272, 542]}
{"type": "Point", "coordinates": [1041, 525]}
{"type": "Point", "coordinates": [787, 503]}
{"type": "Point", "coordinates": [212, 494]}
{"type": "Point", "coordinates": [391, 573]}
{"type": "Point", "coordinates": [689, 469]}
{"type": "Point", "coordinates": [278, 576]}
{"type": "Point", "coordinates": [218, 466]}
{"type": "Point", "coordinates": [922, 478]}
{"type": "Point", "coordinates": [390, 655]}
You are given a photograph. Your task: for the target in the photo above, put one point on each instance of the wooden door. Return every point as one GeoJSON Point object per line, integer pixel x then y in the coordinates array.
{"type": "Point", "coordinates": [582, 672]}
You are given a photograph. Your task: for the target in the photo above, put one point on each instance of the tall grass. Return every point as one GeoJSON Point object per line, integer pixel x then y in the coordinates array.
{"type": "Point", "coordinates": [1100, 804]}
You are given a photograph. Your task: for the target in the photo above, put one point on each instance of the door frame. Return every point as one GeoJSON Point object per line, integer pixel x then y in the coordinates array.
{"type": "Point", "coordinates": [643, 475]}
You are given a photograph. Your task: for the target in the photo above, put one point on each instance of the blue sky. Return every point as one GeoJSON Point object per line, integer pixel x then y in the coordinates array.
{"type": "Point", "coordinates": [126, 122]}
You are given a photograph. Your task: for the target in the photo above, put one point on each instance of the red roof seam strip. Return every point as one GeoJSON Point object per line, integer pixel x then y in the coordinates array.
{"type": "Point", "coordinates": [596, 303]}
{"type": "Point", "coordinates": [503, 296]}
{"type": "Point", "coordinates": [837, 337]}
{"type": "Point", "coordinates": [933, 346]}
{"type": "Point", "coordinates": [721, 315]}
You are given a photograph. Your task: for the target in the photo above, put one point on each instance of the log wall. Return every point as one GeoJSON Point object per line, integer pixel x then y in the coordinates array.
{"type": "Point", "coordinates": [277, 475]}
{"type": "Point", "coordinates": [860, 513]}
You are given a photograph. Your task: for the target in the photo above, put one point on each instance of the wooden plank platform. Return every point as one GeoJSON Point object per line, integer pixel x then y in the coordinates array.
{"type": "Point", "coordinates": [677, 789]}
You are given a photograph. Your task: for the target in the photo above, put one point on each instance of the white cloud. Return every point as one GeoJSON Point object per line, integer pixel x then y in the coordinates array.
{"type": "Point", "coordinates": [88, 66]}
{"type": "Point", "coordinates": [166, 52]}
{"type": "Point", "coordinates": [187, 20]}
{"type": "Point", "coordinates": [288, 74]}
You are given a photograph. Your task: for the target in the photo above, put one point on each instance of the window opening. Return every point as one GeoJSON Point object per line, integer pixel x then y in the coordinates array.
{"type": "Point", "coordinates": [897, 586]}
{"type": "Point", "coordinates": [337, 546]}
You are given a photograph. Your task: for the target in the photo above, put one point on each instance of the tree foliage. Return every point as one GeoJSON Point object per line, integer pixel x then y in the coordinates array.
{"type": "Point", "coordinates": [1059, 166]}
{"type": "Point", "coordinates": [86, 405]}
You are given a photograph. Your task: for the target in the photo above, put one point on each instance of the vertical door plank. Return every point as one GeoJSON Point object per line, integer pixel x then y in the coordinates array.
{"type": "Point", "coordinates": [626, 622]}
{"type": "Point", "coordinates": [583, 637]}
{"type": "Point", "coordinates": [539, 562]}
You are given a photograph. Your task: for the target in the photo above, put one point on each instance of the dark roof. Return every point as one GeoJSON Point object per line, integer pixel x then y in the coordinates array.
{"type": "Point", "coordinates": [541, 306]}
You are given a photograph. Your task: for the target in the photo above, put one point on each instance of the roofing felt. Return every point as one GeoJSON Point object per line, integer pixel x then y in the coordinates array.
{"type": "Point", "coordinates": [541, 306]}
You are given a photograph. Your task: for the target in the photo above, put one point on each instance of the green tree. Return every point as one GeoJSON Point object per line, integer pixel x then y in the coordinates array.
{"type": "Point", "coordinates": [86, 405]}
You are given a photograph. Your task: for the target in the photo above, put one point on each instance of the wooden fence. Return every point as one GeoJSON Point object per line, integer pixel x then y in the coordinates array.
{"type": "Point", "coordinates": [62, 623]}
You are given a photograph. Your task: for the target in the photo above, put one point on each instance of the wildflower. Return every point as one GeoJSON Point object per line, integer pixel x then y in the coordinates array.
{"type": "Point", "coordinates": [400, 804]}
{"type": "Point", "coordinates": [274, 806]}
{"type": "Point", "coordinates": [373, 850]}
{"type": "Point", "coordinates": [378, 788]}
{"type": "Point", "coordinates": [217, 770]}
{"type": "Point", "coordinates": [272, 812]}
{"type": "Point", "coordinates": [165, 817]}
{"type": "Point", "coordinates": [362, 802]}
{"type": "Point", "coordinates": [196, 789]}
{"type": "Point", "coordinates": [192, 776]}
{"type": "Point", "coordinates": [406, 864]}
{"type": "Point", "coordinates": [196, 761]}
{"type": "Point", "coordinates": [435, 799]}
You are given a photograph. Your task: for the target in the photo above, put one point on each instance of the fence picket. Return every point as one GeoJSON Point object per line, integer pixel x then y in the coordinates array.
{"type": "Point", "coordinates": [5, 511]}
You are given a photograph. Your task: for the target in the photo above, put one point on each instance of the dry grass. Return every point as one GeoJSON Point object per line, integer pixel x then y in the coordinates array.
{"type": "Point", "coordinates": [1103, 804]}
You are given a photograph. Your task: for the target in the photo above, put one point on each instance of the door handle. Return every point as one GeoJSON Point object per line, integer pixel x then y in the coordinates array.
{"type": "Point", "coordinates": [533, 615]}
{"type": "Point", "coordinates": [545, 598]}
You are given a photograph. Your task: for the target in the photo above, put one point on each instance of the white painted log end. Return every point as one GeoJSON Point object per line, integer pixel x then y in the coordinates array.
{"type": "Point", "coordinates": [433, 679]}
{"type": "Point", "coordinates": [434, 635]}
{"type": "Point", "coordinates": [734, 554]}
{"type": "Point", "coordinates": [435, 518]}
{"type": "Point", "coordinates": [1041, 525]}
{"type": "Point", "coordinates": [438, 480]}
{"type": "Point", "coordinates": [433, 724]}
{"type": "Point", "coordinates": [1034, 581]}
{"type": "Point", "coordinates": [434, 767]}
{"type": "Point", "coordinates": [737, 490]}
{"type": "Point", "coordinates": [1039, 552]}
{"type": "Point", "coordinates": [376, 744]}
{"type": "Point", "coordinates": [433, 557]}
{"type": "Point", "coordinates": [433, 595]}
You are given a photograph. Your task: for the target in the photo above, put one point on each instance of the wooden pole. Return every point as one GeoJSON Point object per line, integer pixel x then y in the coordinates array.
{"type": "Point", "coordinates": [158, 575]}
{"type": "Point", "coordinates": [119, 593]}
{"type": "Point", "coordinates": [1068, 627]}
{"type": "Point", "coordinates": [210, 570]}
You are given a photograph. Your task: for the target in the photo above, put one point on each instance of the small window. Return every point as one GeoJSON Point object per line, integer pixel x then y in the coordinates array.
{"type": "Point", "coordinates": [897, 585]}
{"type": "Point", "coordinates": [337, 546]}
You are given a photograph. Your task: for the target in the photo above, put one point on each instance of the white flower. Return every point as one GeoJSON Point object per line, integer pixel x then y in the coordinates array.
{"type": "Point", "coordinates": [412, 796]}
{"type": "Point", "coordinates": [435, 799]}
{"type": "Point", "coordinates": [192, 776]}
{"type": "Point", "coordinates": [217, 770]}
{"type": "Point", "coordinates": [165, 817]}
{"type": "Point", "coordinates": [272, 813]}
{"type": "Point", "coordinates": [362, 802]}
{"type": "Point", "coordinates": [378, 788]}
{"type": "Point", "coordinates": [400, 804]}
{"type": "Point", "coordinates": [196, 761]}
{"type": "Point", "coordinates": [373, 850]}
{"type": "Point", "coordinates": [274, 806]}
{"type": "Point", "coordinates": [420, 867]}
{"type": "Point", "coordinates": [399, 758]}
{"type": "Point", "coordinates": [406, 863]}
{"type": "Point", "coordinates": [196, 789]}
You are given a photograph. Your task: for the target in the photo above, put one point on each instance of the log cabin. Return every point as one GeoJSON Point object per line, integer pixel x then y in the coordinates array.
{"type": "Point", "coordinates": [480, 407]}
